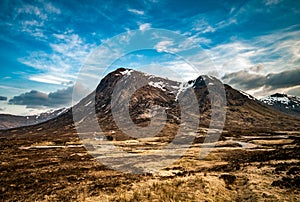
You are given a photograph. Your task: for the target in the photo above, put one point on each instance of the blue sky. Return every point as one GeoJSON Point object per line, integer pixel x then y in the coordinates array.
{"type": "Point", "coordinates": [254, 45]}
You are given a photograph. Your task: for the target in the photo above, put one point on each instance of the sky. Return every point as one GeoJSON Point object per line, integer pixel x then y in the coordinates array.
{"type": "Point", "coordinates": [254, 46]}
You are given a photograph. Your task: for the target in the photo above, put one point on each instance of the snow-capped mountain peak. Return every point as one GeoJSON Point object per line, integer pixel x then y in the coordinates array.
{"type": "Point", "coordinates": [283, 102]}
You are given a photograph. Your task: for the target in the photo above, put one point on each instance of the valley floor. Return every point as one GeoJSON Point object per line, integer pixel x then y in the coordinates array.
{"type": "Point", "coordinates": [248, 168]}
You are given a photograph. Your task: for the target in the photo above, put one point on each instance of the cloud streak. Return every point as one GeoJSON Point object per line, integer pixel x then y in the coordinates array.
{"type": "Point", "coordinates": [135, 11]}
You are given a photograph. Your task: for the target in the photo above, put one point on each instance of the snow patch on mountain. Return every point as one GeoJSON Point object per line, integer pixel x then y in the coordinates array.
{"type": "Point", "coordinates": [183, 86]}
{"type": "Point", "coordinates": [282, 99]}
{"type": "Point", "coordinates": [126, 72]}
{"type": "Point", "coordinates": [272, 100]}
{"type": "Point", "coordinates": [246, 94]}
{"type": "Point", "coordinates": [159, 84]}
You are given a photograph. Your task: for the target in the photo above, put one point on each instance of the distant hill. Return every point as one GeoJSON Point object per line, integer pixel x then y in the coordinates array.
{"type": "Point", "coordinates": [284, 103]}
{"type": "Point", "coordinates": [12, 121]}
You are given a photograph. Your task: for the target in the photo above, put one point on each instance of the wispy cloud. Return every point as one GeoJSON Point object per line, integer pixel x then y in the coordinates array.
{"type": "Point", "coordinates": [165, 46]}
{"type": "Point", "coordinates": [135, 11]}
{"type": "Point", "coordinates": [51, 79]}
{"type": "Point", "coordinates": [31, 10]}
{"type": "Point", "coordinates": [144, 26]}
{"type": "Point", "coordinates": [272, 2]}
{"type": "Point", "coordinates": [10, 88]}
{"type": "Point", "coordinates": [202, 26]}
{"type": "Point", "coordinates": [277, 51]}
{"type": "Point", "coordinates": [69, 52]}
{"type": "Point", "coordinates": [33, 17]}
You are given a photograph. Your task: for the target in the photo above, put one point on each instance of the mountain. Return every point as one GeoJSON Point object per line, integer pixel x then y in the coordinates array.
{"type": "Point", "coordinates": [12, 121]}
{"type": "Point", "coordinates": [244, 114]}
{"type": "Point", "coordinates": [284, 103]}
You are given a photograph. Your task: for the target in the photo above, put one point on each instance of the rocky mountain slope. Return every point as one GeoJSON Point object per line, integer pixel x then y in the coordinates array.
{"type": "Point", "coordinates": [243, 112]}
{"type": "Point", "coordinates": [284, 103]}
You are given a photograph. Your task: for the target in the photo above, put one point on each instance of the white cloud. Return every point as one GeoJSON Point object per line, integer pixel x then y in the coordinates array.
{"type": "Point", "coordinates": [42, 10]}
{"type": "Point", "coordinates": [126, 38]}
{"type": "Point", "coordinates": [279, 50]}
{"type": "Point", "coordinates": [203, 26]}
{"type": "Point", "coordinates": [263, 55]}
{"type": "Point", "coordinates": [10, 88]}
{"type": "Point", "coordinates": [135, 11]}
{"type": "Point", "coordinates": [51, 79]}
{"type": "Point", "coordinates": [276, 52]}
{"type": "Point", "coordinates": [32, 10]}
{"type": "Point", "coordinates": [177, 70]}
{"type": "Point", "coordinates": [144, 26]}
{"type": "Point", "coordinates": [232, 56]}
{"type": "Point", "coordinates": [21, 109]}
{"type": "Point", "coordinates": [69, 52]}
{"type": "Point", "coordinates": [51, 9]}
{"type": "Point", "coordinates": [164, 46]}
{"type": "Point", "coordinates": [193, 41]}
{"type": "Point", "coordinates": [226, 23]}
{"type": "Point", "coordinates": [165, 65]}
{"type": "Point", "coordinates": [32, 18]}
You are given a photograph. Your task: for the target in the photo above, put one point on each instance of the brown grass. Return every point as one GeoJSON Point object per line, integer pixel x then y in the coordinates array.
{"type": "Point", "coordinates": [191, 188]}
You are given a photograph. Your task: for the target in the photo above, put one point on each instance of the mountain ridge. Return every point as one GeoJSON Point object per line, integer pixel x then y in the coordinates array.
{"type": "Point", "coordinates": [8, 121]}
{"type": "Point", "coordinates": [243, 115]}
